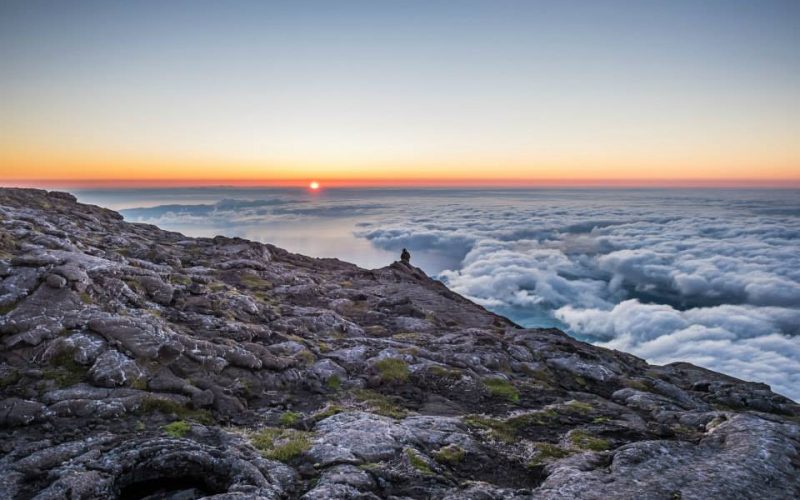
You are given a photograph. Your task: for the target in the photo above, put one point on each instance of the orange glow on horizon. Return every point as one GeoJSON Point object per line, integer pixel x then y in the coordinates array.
{"type": "Point", "coordinates": [84, 169]}
{"type": "Point", "coordinates": [22, 163]}
{"type": "Point", "coordinates": [400, 183]}
{"type": "Point", "coordinates": [63, 172]}
{"type": "Point", "coordinates": [61, 169]}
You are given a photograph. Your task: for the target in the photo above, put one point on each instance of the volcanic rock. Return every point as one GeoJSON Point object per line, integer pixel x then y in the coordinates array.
{"type": "Point", "coordinates": [141, 363]}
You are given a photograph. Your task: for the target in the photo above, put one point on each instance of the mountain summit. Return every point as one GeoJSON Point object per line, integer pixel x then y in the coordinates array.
{"type": "Point", "coordinates": [141, 363]}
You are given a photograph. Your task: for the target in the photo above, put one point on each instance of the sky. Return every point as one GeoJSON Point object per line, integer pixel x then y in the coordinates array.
{"type": "Point", "coordinates": [407, 93]}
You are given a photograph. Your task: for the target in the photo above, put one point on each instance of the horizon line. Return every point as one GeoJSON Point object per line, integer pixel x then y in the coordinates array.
{"type": "Point", "coordinates": [400, 183]}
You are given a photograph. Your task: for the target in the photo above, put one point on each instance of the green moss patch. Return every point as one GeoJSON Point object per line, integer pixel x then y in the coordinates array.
{"type": "Point", "coordinates": [64, 371]}
{"type": "Point", "coordinates": [255, 282]}
{"type": "Point", "coordinates": [306, 357]}
{"type": "Point", "coordinates": [547, 452]}
{"type": "Point", "coordinates": [417, 462]}
{"type": "Point", "coordinates": [392, 370]}
{"type": "Point", "coordinates": [290, 418]}
{"type": "Point", "coordinates": [177, 429]}
{"type": "Point", "coordinates": [585, 441]}
{"type": "Point", "coordinates": [334, 383]}
{"type": "Point", "coordinates": [541, 417]}
{"type": "Point", "coordinates": [281, 444]}
{"type": "Point", "coordinates": [639, 384]}
{"type": "Point", "coordinates": [180, 279]}
{"type": "Point", "coordinates": [450, 454]}
{"type": "Point", "coordinates": [326, 412]}
{"type": "Point", "coordinates": [451, 374]}
{"type": "Point", "coordinates": [7, 308]}
{"type": "Point", "coordinates": [168, 407]}
{"type": "Point", "coordinates": [139, 383]}
{"type": "Point", "coordinates": [507, 429]}
{"type": "Point", "coordinates": [380, 404]}
{"type": "Point", "coordinates": [501, 388]}
{"type": "Point", "coordinates": [409, 336]}
{"type": "Point", "coordinates": [579, 407]}
{"type": "Point", "coordinates": [500, 429]}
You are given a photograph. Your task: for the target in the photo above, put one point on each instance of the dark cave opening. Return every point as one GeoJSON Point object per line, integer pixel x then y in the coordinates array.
{"type": "Point", "coordinates": [169, 488]}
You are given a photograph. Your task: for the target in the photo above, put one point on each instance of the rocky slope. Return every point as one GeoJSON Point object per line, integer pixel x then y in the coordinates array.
{"type": "Point", "coordinates": [139, 363]}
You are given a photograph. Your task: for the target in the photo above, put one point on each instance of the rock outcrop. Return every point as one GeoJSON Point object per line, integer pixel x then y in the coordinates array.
{"type": "Point", "coordinates": [140, 363]}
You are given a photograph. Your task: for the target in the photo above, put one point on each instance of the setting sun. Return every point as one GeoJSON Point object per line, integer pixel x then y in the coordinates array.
{"type": "Point", "coordinates": [314, 185]}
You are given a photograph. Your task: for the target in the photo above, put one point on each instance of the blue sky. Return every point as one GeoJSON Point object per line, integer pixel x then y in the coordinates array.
{"type": "Point", "coordinates": [365, 89]}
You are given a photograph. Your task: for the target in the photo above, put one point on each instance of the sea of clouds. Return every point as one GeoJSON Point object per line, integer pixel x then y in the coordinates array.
{"type": "Point", "coordinates": [711, 277]}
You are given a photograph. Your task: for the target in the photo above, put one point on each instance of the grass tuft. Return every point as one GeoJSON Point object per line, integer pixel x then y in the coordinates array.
{"type": "Point", "coordinates": [152, 404]}
{"type": "Point", "coordinates": [7, 308]}
{"type": "Point", "coordinates": [326, 412]}
{"type": "Point", "coordinates": [500, 429]}
{"type": "Point", "coordinates": [579, 406]}
{"type": "Point", "coordinates": [392, 370]}
{"type": "Point", "coordinates": [409, 336]}
{"type": "Point", "coordinates": [417, 461]}
{"type": "Point", "coordinates": [506, 430]}
{"type": "Point", "coordinates": [180, 279]}
{"type": "Point", "coordinates": [139, 383]}
{"type": "Point", "coordinates": [281, 444]}
{"type": "Point", "coordinates": [177, 429]}
{"type": "Point", "coordinates": [64, 371]}
{"type": "Point", "coordinates": [546, 452]}
{"type": "Point", "coordinates": [444, 372]}
{"type": "Point", "coordinates": [450, 454]}
{"type": "Point", "coordinates": [306, 357]}
{"type": "Point", "coordinates": [639, 384]}
{"type": "Point", "coordinates": [586, 441]}
{"type": "Point", "coordinates": [334, 383]}
{"type": "Point", "coordinates": [380, 404]}
{"type": "Point", "coordinates": [502, 388]}
{"type": "Point", "coordinates": [254, 281]}
{"type": "Point", "coordinates": [290, 418]}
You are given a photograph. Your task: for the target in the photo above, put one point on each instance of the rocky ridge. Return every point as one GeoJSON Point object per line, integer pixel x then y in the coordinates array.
{"type": "Point", "coordinates": [140, 363]}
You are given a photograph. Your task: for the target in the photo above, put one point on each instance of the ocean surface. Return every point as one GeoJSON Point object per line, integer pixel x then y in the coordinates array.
{"type": "Point", "coordinates": [711, 277]}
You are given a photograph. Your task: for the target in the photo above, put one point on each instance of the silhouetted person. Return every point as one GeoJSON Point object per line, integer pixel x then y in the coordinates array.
{"type": "Point", "coordinates": [405, 257]}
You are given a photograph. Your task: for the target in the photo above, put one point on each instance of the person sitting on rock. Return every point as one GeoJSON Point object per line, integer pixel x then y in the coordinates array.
{"type": "Point", "coordinates": [405, 257]}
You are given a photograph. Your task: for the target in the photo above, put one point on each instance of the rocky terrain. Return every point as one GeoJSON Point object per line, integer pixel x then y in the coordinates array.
{"type": "Point", "coordinates": [140, 363]}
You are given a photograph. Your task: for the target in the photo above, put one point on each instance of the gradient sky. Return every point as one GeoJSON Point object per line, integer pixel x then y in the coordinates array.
{"type": "Point", "coordinates": [406, 91]}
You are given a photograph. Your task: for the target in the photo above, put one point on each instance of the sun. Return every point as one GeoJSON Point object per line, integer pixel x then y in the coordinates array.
{"type": "Point", "coordinates": [314, 185]}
